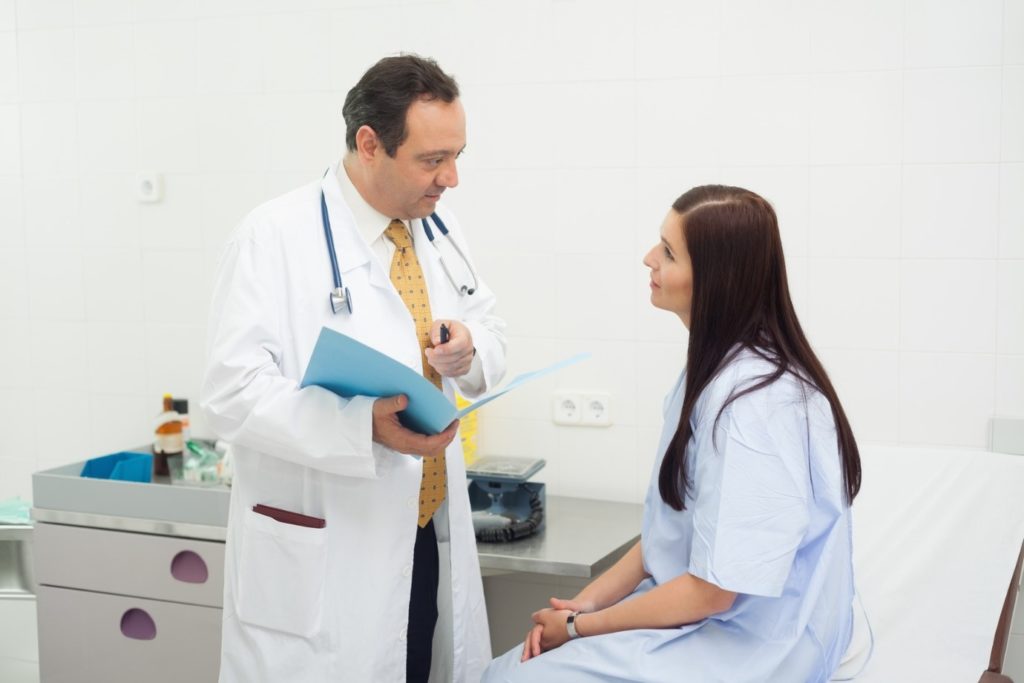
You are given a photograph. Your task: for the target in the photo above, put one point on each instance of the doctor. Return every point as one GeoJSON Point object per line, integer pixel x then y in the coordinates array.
{"type": "Point", "coordinates": [350, 550]}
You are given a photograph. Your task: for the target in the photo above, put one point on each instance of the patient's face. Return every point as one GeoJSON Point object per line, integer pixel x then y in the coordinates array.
{"type": "Point", "coordinates": [671, 275]}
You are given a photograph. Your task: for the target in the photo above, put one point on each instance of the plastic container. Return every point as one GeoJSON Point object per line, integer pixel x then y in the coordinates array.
{"type": "Point", "coordinates": [126, 466]}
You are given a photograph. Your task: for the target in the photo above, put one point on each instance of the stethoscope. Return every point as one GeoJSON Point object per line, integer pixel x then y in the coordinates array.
{"type": "Point", "coordinates": [342, 298]}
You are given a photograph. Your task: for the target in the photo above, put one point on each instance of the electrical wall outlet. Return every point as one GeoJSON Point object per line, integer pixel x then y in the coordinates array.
{"type": "Point", "coordinates": [149, 187]}
{"type": "Point", "coordinates": [567, 408]}
{"type": "Point", "coordinates": [596, 410]}
{"type": "Point", "coordinates": [577, 409]}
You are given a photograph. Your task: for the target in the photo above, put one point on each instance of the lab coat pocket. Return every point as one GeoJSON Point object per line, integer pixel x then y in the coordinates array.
{"type": "Point", "coordinates": [281, 577]}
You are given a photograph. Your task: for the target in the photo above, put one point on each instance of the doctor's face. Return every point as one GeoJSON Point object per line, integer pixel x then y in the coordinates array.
{"type": "Point", "coordinates": [411, 182]}
{"type": "Point", "coordinates": [671, 272]}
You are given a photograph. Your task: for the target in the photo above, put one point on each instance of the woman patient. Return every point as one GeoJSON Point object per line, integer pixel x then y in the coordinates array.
{"type": "Point", "coordinates": [743, 571]}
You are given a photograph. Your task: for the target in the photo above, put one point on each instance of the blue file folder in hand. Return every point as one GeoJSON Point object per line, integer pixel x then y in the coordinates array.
{"type": "Point", "coordinates": [350, 368]}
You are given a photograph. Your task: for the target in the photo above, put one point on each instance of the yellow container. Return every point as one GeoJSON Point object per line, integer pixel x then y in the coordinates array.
{"type": "Point", "coordinates": [467, 431]}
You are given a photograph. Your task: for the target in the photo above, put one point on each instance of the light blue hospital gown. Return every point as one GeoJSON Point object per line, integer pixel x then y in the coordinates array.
{"type": "Point", "coordinates": [765, 518]}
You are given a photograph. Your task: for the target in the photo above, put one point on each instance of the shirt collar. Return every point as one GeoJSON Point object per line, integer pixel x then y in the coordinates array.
{"type": "Point", "coordinates": [370, 223]}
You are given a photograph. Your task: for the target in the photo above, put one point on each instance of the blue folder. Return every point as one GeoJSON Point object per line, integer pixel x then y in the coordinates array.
{"type": "Point", "coordinates": [349, 368]}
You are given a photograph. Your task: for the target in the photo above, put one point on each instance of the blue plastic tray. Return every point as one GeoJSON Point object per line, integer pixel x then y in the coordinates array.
{"type": "Point", "coordinates": [126, 466]}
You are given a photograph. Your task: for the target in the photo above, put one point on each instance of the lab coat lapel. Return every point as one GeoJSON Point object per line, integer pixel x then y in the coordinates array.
{"type": "Point", "coordinates": [352, 252]}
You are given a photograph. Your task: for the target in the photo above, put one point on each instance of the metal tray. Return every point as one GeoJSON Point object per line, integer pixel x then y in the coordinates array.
{"type": "Point", "coordinates": [59, 491]}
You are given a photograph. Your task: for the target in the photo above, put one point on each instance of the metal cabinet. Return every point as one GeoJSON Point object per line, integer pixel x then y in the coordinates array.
{"type": "Point", "coordinates": [124, 606]}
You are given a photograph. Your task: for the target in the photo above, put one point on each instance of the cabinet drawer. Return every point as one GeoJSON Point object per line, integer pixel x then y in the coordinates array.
{"type": "Point", "coordinates": [86, 637]}
{"type": "Point", "coordinates": [159, 567]}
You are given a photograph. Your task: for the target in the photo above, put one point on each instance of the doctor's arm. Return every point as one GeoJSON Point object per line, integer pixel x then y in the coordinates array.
{"type": "Point", "coordinates": [246, 398]}
{"type": "Point", "coordinates": [479, 328]}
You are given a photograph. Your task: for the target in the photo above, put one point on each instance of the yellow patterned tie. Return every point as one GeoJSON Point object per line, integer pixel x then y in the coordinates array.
{"type": "Point", "coordinates": [407, 277]}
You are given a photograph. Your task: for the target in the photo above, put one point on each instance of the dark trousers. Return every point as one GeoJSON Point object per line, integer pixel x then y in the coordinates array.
{"type": "Point", "coordinates": [422, 605]}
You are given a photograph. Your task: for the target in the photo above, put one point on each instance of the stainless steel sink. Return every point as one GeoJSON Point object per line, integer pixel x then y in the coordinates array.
{"type": "Point", "coordinates": [17, 578]}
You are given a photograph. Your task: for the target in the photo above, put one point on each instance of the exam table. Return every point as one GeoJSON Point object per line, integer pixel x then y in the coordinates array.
{"type": "Point", "coordinates": [937, 559]}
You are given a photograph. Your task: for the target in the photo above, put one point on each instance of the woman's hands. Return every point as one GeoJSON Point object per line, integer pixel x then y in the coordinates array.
{"type": "Point", "coordinates": [549, 630]}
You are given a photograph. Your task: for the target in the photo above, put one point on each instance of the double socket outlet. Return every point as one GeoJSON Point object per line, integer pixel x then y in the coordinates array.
{"type": "Point", "coordinates": [577, 409]}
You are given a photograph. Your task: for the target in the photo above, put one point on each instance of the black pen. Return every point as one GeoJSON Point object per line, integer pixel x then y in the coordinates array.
{"type": "Point", "coordinates": [445, 335]}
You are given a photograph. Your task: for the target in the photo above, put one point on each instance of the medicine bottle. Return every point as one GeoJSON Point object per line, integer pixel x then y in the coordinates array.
{"type": "Point", "coordinates": [168, 441]}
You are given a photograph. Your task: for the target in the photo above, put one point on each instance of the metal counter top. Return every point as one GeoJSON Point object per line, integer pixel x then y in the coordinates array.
{"type": "Point", "coordinates": [581, 537]}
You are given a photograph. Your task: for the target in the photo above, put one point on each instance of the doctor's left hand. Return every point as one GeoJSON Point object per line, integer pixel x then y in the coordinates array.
{"type": "Point", "coordinates": [388, 431]}
{"type": "Point", "coordinates": [454, 358]}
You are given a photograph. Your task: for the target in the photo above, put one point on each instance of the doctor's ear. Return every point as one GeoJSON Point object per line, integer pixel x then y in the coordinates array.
{"type": "Point", "coordinates": [367, 143]}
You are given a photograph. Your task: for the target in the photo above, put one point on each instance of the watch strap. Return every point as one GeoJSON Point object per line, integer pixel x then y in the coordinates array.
{"type": "Point", "coordinates": [570, 626]}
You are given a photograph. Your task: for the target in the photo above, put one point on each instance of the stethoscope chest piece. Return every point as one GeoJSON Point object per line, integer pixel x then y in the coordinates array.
{"type": "Point", "coordinates": [341, 300]}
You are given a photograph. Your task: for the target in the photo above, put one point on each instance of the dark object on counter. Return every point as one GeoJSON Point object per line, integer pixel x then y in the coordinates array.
{"type": "Point", "coordinates": [169, 443]}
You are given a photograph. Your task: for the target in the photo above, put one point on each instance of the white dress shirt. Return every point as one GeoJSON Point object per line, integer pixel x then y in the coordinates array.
{"type": "Point", "coordinates": [371, 224]}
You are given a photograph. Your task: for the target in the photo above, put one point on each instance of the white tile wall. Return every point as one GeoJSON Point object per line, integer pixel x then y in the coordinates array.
{"type": "Point", "coordinates": [1009, 388]}
{"type": "Point", "coordinates": [950, 211]}
{"type": "Point", "coordinates": [678, 39]}
{"type": "Point", "coordinates": [945, 399]}
{"type": "Point", "coordinates": [103, 72]}
{"type": "Point", "coordinates": [856, 118]}
{"type": "Point", "coordinates": [1013, 32]}
{"type": "Point", "coordinates": [1011, 211]}
{"type": "Point", "coordinates": [10, 147]}
{"type": "Point", "coordinates": [108, 137]}
{"type": "Point", "coordinates": [44, 14]}
{"type": "Point", "coordinates": [765, 38]}
{"type": "Point", "coordinates": [860, 224]}
{"type": "Point", "coordinates": [948, 305]}
{"type": "Point", "coordinates": [953, 32]}
{"type": "Point", "coordinates": [868, 382]}
{"type": "Point", "coordinates": [7, 16]}
{"type": "Point", "coordinates": [852, 303]}
{"type": "Point", "coordinates": [49, 139]}
{"type": "Point", "coordinates": [687, 107]}
{"type": "Point", "coordinates": [14, 282]}
{"type": "Point", "coordinates": [166, 58]}
{"type": "Point", "coordinates": [888, 135]}
{"type": "Point", "coordinates": [102, 12]}
{"type": "Point", "coordinates": [856, 36]}
{"type": "Point", "coordinates": [951, 115]}
{"type": "Point", "coordinates": [1010, 310]}
{"type": "Point", "coordinates": [12, 227]}
{"type": "Point", "coordinates": [1013, 110]}
{"type": "Point", "coordinates": [299, 45]}
{"type": "Point", "coordinates": [778, 133]}
{"type": "Point", "coordinates": [8, 67]}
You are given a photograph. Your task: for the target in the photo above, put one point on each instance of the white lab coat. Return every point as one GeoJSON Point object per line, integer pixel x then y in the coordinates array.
{"type": "Point", "coordinates": [329, 604]}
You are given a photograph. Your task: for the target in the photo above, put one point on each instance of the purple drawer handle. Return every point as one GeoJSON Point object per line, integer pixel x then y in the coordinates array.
{"type": "Point", "coordinates": [187, 566]}
{"type": "Point", "coordinates": [136, 623]}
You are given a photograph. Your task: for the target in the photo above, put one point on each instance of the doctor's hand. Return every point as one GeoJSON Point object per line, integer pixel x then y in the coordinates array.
{"type": "Point", "coordinates": [453, 358]}
{"type": "Point", "coordinates": [388, 431]}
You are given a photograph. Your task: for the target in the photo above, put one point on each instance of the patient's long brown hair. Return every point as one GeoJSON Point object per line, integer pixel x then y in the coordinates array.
{"type": "Point", "coordinates": [741, 301]}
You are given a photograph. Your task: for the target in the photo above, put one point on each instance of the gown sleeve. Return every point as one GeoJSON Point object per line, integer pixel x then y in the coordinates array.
{"type": "Point", "coordinates": [751, 494]}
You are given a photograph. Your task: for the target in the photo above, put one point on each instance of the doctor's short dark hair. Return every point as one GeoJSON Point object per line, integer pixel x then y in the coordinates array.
{"type": "Point", "coordinates": [382, 96]}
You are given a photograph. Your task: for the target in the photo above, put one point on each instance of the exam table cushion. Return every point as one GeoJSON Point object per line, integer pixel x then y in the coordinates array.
{"type": "Point", "coordinates": [937, 534]}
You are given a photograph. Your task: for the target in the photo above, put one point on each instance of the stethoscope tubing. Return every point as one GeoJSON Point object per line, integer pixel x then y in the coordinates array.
{"type": "Point", "coordinates": [341, 293]}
